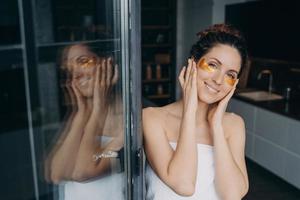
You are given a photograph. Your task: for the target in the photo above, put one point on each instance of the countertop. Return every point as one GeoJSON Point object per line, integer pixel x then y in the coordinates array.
{"type": "Point", "coordinates": [289, 108]}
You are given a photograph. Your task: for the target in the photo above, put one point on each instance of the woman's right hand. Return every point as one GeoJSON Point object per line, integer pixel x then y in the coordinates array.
{"type": "Point", "coordinates": [106, 76]}
{"type": "Point", "coordinates": [188, 82]}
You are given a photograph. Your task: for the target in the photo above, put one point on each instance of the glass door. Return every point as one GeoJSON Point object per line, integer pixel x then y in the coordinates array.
{"type": "Point", "coordinates": [16, 163]}
{"type": "Point", "coordinates": [78, 131]}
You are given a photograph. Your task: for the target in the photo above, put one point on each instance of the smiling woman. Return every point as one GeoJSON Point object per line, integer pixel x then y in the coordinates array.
{"type": "Point", "coordinates": [85, 160]}
{"type": "Point", "coordinates": [221, 63]}
{"type": "Point", "coordinates": [80, 62]}
{"type": "Point", "coordinates": [193, 147]}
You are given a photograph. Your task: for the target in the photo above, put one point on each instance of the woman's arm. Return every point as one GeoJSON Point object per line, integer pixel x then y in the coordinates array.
{"type": "Point", "coordinates": [178, 169]}
{"type": "Point", "coordinates": [86, 167]}
{"type": "Point", "coordinates": [231, 174]}
{"type": "Point", "coordinates": [57, 142]}
{"type": "Point", "coordinates": [62, 159]}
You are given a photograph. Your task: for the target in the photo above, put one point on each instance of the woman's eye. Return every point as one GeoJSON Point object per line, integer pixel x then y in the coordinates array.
{"type": "Point", "coordinates": [212, 65]}
{"type": "Point", "coordinates": [86, 61]}
{"type": "Point", "coordinates": [231, 76]}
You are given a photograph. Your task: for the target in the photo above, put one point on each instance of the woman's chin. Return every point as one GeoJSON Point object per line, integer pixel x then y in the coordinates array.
{"type": "Point", "coordinates": [208, 99]}
{"type": "Point", "coordinates": [86, 93]}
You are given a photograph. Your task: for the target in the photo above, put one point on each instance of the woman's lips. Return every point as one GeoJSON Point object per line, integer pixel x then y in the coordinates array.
{"type": "Point", "coordinates": [84, 81]}
{"type": "Point", "coordinates": [211, 88]}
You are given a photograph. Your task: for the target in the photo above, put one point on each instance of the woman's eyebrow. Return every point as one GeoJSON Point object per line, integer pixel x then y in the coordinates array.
{"type": "Point", "coordinates": [220, 63]}
{"type": "Point", "coordinates": [232, 70]}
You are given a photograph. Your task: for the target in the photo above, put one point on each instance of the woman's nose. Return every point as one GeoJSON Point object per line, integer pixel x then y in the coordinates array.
{"type": "Point", "coordinates": [218, 77]}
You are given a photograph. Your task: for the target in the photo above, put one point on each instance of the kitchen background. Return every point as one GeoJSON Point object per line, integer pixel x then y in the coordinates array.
{"type": "Point", "coordinates": [267, 99]}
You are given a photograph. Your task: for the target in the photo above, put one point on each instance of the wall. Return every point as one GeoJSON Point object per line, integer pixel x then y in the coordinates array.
{"type": "Point", "coordinates": [192, 17]}
{"type": "Point", "coordinates": [219, 9]}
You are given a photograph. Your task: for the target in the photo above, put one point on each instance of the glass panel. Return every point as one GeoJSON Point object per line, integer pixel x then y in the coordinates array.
{"type": "Point", "coordinates": [68, 86]}
{"type": "Point", "coordinates": [79, 140]}
{"type": "Point", "coordinates": [9, 23]}
{"type": "Point", "coordinates": [15, 168]}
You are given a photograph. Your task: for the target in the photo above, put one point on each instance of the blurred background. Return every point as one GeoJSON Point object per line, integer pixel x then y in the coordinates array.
{"type": "Point", "coordinates": [150, 41]}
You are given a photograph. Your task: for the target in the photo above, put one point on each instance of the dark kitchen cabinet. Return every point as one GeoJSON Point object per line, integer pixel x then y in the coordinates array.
{"type": "Point", "coordinates": [158, 51]}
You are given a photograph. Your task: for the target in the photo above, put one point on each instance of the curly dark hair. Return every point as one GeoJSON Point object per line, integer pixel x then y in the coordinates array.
{"type": "Point", "coordinates": [220, 34]}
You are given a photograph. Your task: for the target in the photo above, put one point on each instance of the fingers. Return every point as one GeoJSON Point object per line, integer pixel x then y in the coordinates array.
{"type": "Point", "coordinates": [194, 79]}
{"type": "Point", "coordinates": [181, 76]}
{"type": "Point", "coordinates": [236, 82]}
{"type": "Point", "coordinates": [109, 74]}
{"type": "Point", "coordinates": [76, 90]}
{"type": "Point", "coordinates": [192, 73]}
{"type": "Point", "coordinates": [109, 69]}
{"type": "Point", "coordinates": [116, 75]}
{"type": "Point", "coordinates": [70, 92]}
{"type": "Point", "coordinates": [103, 72]}
{"type": "Point", "coordinates": [232, 90]}
{"type": "Point", "coordinates": [188, 75]}
{"type": "Point", "coordinates": [188, 71]}
{"type": "Point", "coordinates": [226, 99]}
{"type": "Point", "coordinates": [97, 78]}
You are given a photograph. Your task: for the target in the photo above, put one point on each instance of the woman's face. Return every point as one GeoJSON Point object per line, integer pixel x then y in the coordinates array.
{"type": "Point", "coordinates": [82, 64]}
{"type": "Point", "coordinates": [217, 72]}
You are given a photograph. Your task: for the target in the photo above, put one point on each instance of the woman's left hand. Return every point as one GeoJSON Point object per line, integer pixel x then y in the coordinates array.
{"type": "Point", "coordinates": [216, 114]}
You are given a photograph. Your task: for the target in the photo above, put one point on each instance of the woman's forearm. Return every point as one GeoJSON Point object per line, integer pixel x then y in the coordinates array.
{"type": "Point", "coordinates": [57, 142]}
{"type": "Point", "coordinates": [62, 133]}
{"type": "Point", "coordinates": [85, 166]}
{"type": "Point", "coordinates": [183, 165]}
{"type": "Point", "coordinates": [230, 181]}
{"type": "Point", "coordinates": [63, 159]}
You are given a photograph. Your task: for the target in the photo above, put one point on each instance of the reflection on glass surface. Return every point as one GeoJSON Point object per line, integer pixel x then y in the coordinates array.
{"type": "Point", "coordinates": [82, 120]}
{"type": "Point", "coordinates": [9, 23]}
{"type": "Point", "coordinates": [77, 20]}
{"type": "Point", "coordinates": [61, 109]}
{"type": "Point", "coordinates": [12, 97]}
{"type": "Point", "coordinates": [86, 159]}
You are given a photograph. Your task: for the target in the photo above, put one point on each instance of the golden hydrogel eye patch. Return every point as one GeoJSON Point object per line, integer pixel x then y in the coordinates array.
{"type": "Point", "coordinates": [85, 61]}
{"type": "Point", "coordinates": [230, 81]}
{"type": "Point", "coordinates": [203, 65]}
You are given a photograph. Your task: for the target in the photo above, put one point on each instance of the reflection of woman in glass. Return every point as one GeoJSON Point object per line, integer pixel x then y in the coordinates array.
{"type": "Point", "coordinates": [194, 148]}
{"type": "Point", "coordinates": [88, 148]}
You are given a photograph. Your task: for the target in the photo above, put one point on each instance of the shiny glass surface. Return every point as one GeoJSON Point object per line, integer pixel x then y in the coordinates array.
{"type": "Point", "coordinates": [83, 124]}
{"type": "Point", "coordinates": [65, 100]}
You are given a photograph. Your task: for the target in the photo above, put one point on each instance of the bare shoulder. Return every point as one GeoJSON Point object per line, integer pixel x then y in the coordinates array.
{"type": "Point", "coordinates": [153, 113]}
{"type": "Point", "coordinates": [233, 124]}
{"type": "Point", "coordinates": [159, 113]}
{"type": "Point", "coordinates": [233, 119]}
{"type": "Point", "coordinates": [161, 122]}
{"type": "Point", "coordinates": [153, 118]}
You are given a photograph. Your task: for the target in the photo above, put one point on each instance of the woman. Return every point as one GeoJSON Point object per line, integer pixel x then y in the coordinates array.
{"type": "Point", "coordinates": [85, 158]}
{"type": "Point", "coordinates": [194, 149]}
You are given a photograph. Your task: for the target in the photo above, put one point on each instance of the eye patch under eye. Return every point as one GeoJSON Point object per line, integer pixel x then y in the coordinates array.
{"type": "Point", "coordinates": [86, 61]}
{"type": "Point", "coordinates": [230, 81]}
{"type": "Point", "coordinates": [203, 65]}
{"type": "Point", "coordinates": [206, 67]}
